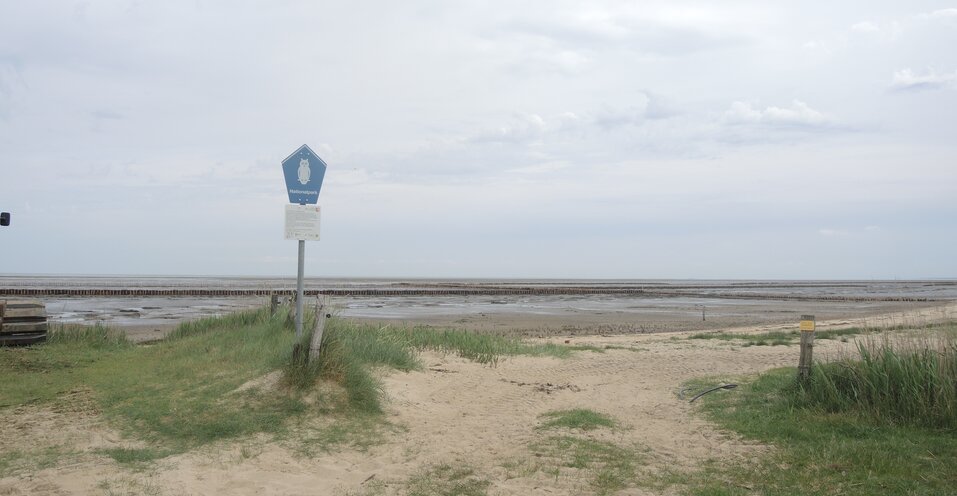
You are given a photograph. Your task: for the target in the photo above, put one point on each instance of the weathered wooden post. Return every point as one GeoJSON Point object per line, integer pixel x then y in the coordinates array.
{"type": "Point", "coordinates": [273, 303]}
{"type": "Point", "coordinates": [807, 346]}
{"type": "Point", "coordinates": [316, 341]}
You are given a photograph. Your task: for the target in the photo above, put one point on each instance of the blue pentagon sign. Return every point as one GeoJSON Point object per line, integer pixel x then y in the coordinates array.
{"type": "Point", "coordinates": [304, 171]}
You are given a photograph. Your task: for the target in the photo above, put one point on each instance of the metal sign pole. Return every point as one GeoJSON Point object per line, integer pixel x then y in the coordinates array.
{"type": "Point", "coordinates": [303, 171]}
{"type": "Point", "coordinates": [299, 288]}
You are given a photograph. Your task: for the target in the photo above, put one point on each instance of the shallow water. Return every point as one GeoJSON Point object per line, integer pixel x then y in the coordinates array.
{"type": "Point", "coordinates": [692, 297]}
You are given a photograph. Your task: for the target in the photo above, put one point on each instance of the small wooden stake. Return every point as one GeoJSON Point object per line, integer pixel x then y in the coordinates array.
{"type": "Point", "coordinates": [273, 303]}
{"type": "Point", "coordinates": [807, 346]}
{"type": "Point", "coordinates": [316, 341]}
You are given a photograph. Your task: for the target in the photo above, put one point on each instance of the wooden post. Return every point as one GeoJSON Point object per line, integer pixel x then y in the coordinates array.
{"type": "Point", "coordinates": [273, 303]}
{"type": "Point", "coordinates": [320, 326]}
{"type": "Point", "coordinates": [807, 346]}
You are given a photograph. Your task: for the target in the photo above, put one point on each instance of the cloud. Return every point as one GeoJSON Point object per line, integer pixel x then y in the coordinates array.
{"type": "Point", "coordinates": [649, 106]}
{"type": "Point", "coordinates": [528, 128]}
{"type": "Point", "coordinates": [660, 32]}
{"type": "Point", "coordinates": [799, 114]}
{"type": "Point", "coordinates": [950, 13]}
{"type": "Point", "coordinates": [865, 27]}
{"type": "Point", "coordinates": [523, 128]}
{"type": "Point", "coordinates": [908, 80]}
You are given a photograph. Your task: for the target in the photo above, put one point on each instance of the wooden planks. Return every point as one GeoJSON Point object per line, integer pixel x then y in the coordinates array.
{"type": "Point", "coordinates": [22, 322]}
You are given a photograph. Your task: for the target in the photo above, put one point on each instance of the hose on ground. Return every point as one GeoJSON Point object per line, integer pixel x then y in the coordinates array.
{"type": "Point", "coordinates": [724, 386]}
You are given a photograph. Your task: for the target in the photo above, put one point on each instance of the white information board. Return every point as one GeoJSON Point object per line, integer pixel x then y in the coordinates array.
{"type": "Point", "coordinates": [302, 222]}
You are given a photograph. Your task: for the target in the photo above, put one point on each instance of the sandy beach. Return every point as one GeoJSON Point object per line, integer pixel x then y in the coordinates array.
{"type": "Point", "coordinates": [453, 410]}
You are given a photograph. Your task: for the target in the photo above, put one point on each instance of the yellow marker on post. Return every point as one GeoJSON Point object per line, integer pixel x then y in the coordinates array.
{"type": "Point", "coordinates": [807, 323]}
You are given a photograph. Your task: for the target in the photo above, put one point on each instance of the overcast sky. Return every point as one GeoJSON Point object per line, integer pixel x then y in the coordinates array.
{"type": "Point", "coordinates": [635, 139]}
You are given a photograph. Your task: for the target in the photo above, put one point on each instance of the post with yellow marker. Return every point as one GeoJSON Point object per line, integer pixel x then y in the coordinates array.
{"type": "Point", "coordinates": [807, 345]}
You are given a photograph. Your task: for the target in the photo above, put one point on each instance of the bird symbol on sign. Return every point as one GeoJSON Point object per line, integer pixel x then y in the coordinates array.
{"type": "Point", "coordinates": [304, 171]}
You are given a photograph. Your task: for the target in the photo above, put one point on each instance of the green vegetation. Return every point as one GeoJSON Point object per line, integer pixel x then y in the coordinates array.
{"type": "Point", "coordinates": [349, 352]}
{"type": "Point", "coordinates": [778, 338]}
{"type": "Point", "coordinates": [882, 423]}
{"type": "Point", "coordinates": [907, 381]}
{"type": "Point", "coordinates": [41, 373]}
{"type": "Point", "coordinates": [448, 480]}
{"type": "Point", "coordinates": [356, 431]}
{"type": "Point", "coordinates": [578, 418]}
{"type": "Point", "coordinates": [605, 467]}
{"type": "Point", "coordinates": [216, 378]}
{"type": "Point", "coordinates": [482, 348]}
{"type": "Point", "coordinates": [770, 338]}
{"type": "Point", "coordinates": [609, 467]}
{"type": "Point", "coordinates": [31, 460]}
{"type": "Point", "coordinates": [841, 334]}
{"type": "Point", "coordinates": [185, 391]}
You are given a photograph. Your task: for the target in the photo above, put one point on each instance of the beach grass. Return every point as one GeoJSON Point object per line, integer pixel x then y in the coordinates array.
{"type": "Point", "coordinates": [779, 338]}
{"type": "Point", "coordinates": [880, 422]}
{"type": "Point", "coordinates": [42, 372]}
{"type": "Point", "coordinates": [478, 347]}
{"type": "Point", "coordinates": [901, 379]}
{"type": "Point", "coordinates": [207, 380]}
{"type": "Point", "coordinates": [185, 391]}
{"type": "Point", "coordinates": [176, 394]}
{"type": "Point", "coordinates": [576, 418]}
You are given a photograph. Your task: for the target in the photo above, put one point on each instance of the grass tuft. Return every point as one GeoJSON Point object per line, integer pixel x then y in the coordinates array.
{"type": "Point", "coordinates": [611, 467]}
{"type": "Point", "coordinates": [347, 353]}
{"type": "Point", "coordinates": [578, 418]}
{"type": "Point", "coordinates": [479, 347]}
{"type": "Point", "coordinates": [246, 318]}
{"type": "Point", "coordinates": [770, 338]}
{"type": "Point", "coordinates": [448, 480]}
{"type": "Point", "coordinates": [95, 337]}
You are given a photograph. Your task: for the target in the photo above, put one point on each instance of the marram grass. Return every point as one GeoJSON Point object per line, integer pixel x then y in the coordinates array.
{"type": "Point", "coordinates": [878, 421]}
{"type": "Point", "coordinates": [909, 380]}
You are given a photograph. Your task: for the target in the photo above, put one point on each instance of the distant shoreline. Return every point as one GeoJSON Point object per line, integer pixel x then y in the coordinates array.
{"type": "Point", "coordinates": [150, 306]}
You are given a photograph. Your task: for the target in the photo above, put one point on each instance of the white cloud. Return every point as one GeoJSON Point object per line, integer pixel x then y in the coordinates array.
{"type": "Point", "coordinates": [865, 27]}
{"type": "Point", "coordinates": [523, 128]}
{"type": "Point", "coordinates": [799, 114]}
{"type": "Point", "coordinates": [950, 13]}
{"type": "Point", "coordinates": [906, 79]}
{"type": "Point", "coordinates": [664, 31]}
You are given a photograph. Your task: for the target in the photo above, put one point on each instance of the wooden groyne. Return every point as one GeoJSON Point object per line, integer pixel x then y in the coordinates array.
{"type": "Point", "coordinates": [473, 291]}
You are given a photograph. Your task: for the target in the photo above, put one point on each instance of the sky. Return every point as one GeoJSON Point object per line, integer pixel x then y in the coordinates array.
{"type": "Point", "coordinates": [501, 139]}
